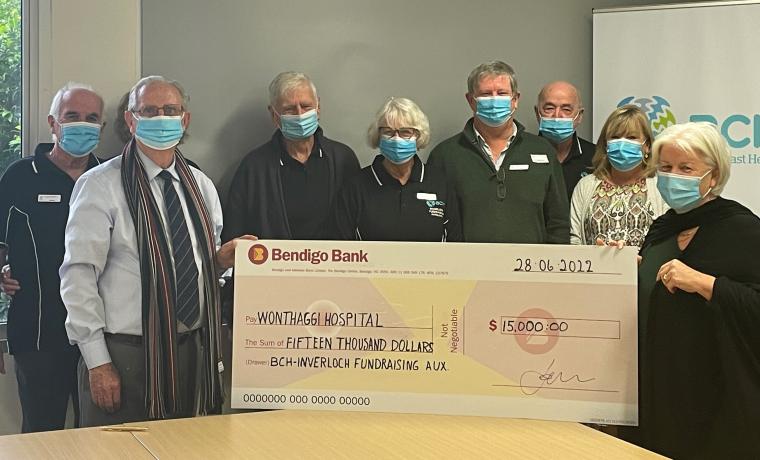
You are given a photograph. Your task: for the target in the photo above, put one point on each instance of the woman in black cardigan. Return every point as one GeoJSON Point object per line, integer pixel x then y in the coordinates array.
{"type": "Point", "coordinates": [700, 271]}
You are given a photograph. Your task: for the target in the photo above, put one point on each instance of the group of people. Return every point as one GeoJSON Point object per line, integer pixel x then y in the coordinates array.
{"type": "Point", "coordinates": [113, 267]}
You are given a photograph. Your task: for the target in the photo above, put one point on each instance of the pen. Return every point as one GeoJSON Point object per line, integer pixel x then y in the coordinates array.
{"type": "Point", "coordinates": [125, 428]}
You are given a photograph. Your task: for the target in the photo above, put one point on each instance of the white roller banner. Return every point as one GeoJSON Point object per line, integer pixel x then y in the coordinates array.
{"type": "Point", "coordinates": [687, 62]}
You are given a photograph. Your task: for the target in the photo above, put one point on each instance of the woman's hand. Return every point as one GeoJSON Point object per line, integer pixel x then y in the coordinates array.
{"type": "Point", "coordinates": [618, 244]}
{"type": "Point", "coordinates": [675, 274]}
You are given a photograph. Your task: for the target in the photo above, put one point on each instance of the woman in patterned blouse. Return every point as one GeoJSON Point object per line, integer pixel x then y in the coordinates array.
{"type": "Point", "coordinates": [618, 202]}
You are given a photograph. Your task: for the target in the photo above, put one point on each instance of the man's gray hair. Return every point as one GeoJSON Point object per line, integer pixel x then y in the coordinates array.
{"type": "Point", "coordinates": [491, 68]}
{"type": "Point", "coordinates": [286, 82]}
{"type": "Point", "coordinates": [147, 81]}
{"type": "Point", "coordinates": [55, 106]}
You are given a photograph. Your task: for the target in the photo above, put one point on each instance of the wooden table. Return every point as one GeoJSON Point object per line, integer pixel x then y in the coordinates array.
{"type": "Point", "coordinates": [84, 443]}
{"type": "Point", "coordinates": [298, 434]}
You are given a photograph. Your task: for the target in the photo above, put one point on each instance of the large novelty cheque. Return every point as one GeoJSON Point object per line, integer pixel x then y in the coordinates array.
{"type": "Point", "coordinates": [529, 331]}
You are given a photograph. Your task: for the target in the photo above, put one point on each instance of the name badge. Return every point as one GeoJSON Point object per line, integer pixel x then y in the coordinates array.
{"type": "Point", "coordinates": [518, 167]}
{"type": "Point", "coordinates": [539, 158]}
{"type": "Point", "coordinates": [427, 196]}
{"type": "Point", "coordinates": [48, 198]}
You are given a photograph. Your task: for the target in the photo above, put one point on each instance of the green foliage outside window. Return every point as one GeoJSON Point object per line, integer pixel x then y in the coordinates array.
{"type": "Point", "coordinates": [10, 95]}
{"type": "Point", "coordinates": [10, 82]}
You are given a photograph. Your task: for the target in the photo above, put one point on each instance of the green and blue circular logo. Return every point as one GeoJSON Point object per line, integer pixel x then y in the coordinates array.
{"type": "Point", "coordinates": [656, 108]}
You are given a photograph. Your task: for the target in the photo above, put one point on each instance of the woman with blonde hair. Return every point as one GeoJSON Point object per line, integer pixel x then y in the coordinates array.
{"type": "Point", "coordinates": [617, 203]}
{"type": "Point", "coordinates": [699, 284]}
{"type": "Point", "coordinates": [397, 198]}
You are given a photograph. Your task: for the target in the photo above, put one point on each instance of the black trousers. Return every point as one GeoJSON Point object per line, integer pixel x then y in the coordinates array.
{"type": "Point", "coordinates": [128, 357]}
{"type": "Point", "coordinates": [46, 381]}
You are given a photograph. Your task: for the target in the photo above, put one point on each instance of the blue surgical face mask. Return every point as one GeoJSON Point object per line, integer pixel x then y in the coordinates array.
{"type": "Point", "coordinates": [556, 129]}
{"type": "Point", "coordinates": [681, 192]}
{"type": "Point", "coordinates": [161, 132]}
{"type": "Point", "coordinates": [624, 154]}
{"type": "Point", "coordinates": [494, 111]}
{"type": "Point", "coordinates": [79, 138]}
{"type": "Point", "coordinates": [398, 150]}
{"type": "Point", "coordinates": [299, 127]}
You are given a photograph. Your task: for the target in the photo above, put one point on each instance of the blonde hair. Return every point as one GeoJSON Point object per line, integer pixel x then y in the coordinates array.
{"type": "Point", "coordinates": [401, 112]}
{"type": "Point", "coordinates": [702, 140]}
{"type": "Point", "coordinates": [624, 121]}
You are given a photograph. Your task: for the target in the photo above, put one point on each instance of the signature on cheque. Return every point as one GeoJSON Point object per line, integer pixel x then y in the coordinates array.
{"type": "Point", "coordinates": [531, 382]}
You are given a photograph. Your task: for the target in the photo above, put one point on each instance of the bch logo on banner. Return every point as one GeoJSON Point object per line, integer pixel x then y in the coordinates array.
{"type": "Point", "coordinates": [737, 129]}
{"type": "Point", "coordinates": [656, 108]}
{"type": "Point", "coordinates": [258, 254]}
{"type": "Point", "coordinates": [684, 89]}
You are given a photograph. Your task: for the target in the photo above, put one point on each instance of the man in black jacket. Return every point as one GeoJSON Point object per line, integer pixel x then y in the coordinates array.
{"type": "Point", "coordinates": [34, 207]}
{"type": "Point", "coordinates": [559, 111]}
{"type": "Point", "coordinates": [285, 188]}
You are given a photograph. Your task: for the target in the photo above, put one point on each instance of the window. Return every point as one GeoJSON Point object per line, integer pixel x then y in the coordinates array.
{"type": "Point", "coordinates": [10, 82]}
{"type": "Point", "coordinates": [10, 95]}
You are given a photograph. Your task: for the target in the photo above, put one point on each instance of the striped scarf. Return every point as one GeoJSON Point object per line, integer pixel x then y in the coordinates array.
{"type": "Point", "coordinates": [159, 324]}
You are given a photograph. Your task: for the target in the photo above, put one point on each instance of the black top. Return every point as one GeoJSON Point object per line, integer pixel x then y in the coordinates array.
{"type": "Point", "coordinates": [374, 206]}
{"type": "Point", "coordinates": [34, 202]}
{"type": "Point", "coordinates": [256, 202]}
{"type": "Point", "coordinates": [657, 254]}
{"type": "Point", "coordinates": [701, 397]}
{"type": "Point", "coordinates": [577, 164]}
{"type": "Point", "coordinates": [306, 191]}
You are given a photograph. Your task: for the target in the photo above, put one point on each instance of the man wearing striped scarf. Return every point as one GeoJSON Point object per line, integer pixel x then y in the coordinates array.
{"type": "Point", "coordinates": [139, 278]}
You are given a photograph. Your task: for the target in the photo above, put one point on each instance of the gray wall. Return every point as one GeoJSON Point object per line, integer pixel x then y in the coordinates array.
{"type": "Point", "coordinates": [358, 52]}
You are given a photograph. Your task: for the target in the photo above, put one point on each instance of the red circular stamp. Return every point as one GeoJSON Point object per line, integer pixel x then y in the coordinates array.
{"type": "Point", "coordinates": [537, 342]}
{"type": "Point", "coordinates": [329, 315]}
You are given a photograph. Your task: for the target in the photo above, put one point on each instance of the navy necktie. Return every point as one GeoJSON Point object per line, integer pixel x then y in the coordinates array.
{"type": "Point", "coordinates": [187, 303]}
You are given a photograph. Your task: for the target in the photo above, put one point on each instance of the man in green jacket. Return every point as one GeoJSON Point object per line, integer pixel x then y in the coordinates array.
{"type": "Point", "coordinates": [508, 182]}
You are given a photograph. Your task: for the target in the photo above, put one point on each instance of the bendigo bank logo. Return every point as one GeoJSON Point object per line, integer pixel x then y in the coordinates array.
{"type": "Point", "coordinates": [258, 254]}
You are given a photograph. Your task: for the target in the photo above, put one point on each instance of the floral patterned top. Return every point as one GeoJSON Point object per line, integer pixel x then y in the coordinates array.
{"type": "Point", "coordinates": [619, 212]}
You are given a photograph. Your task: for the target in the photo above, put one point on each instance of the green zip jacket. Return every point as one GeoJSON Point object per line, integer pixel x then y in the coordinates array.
{"type": "Point", "coordinates": [531, 204]}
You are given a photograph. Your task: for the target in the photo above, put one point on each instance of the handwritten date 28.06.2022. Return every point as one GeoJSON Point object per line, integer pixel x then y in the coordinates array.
{"type": "Point", "coordinates": [549, 265]}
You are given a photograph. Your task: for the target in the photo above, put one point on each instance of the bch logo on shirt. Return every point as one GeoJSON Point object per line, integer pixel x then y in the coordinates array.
{"type": "Point", "coordinates": [258, 254]}
{"type": "Point", "coordinates": [435, 207]}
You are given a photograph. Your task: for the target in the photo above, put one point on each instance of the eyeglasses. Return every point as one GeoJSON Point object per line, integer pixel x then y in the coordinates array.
{"type": "Point", "coordinates": [501, 187]}
{"type": "Point", "coordinates": [169, 110]}
{"type": "Point", "coordinates": [403, 133]}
